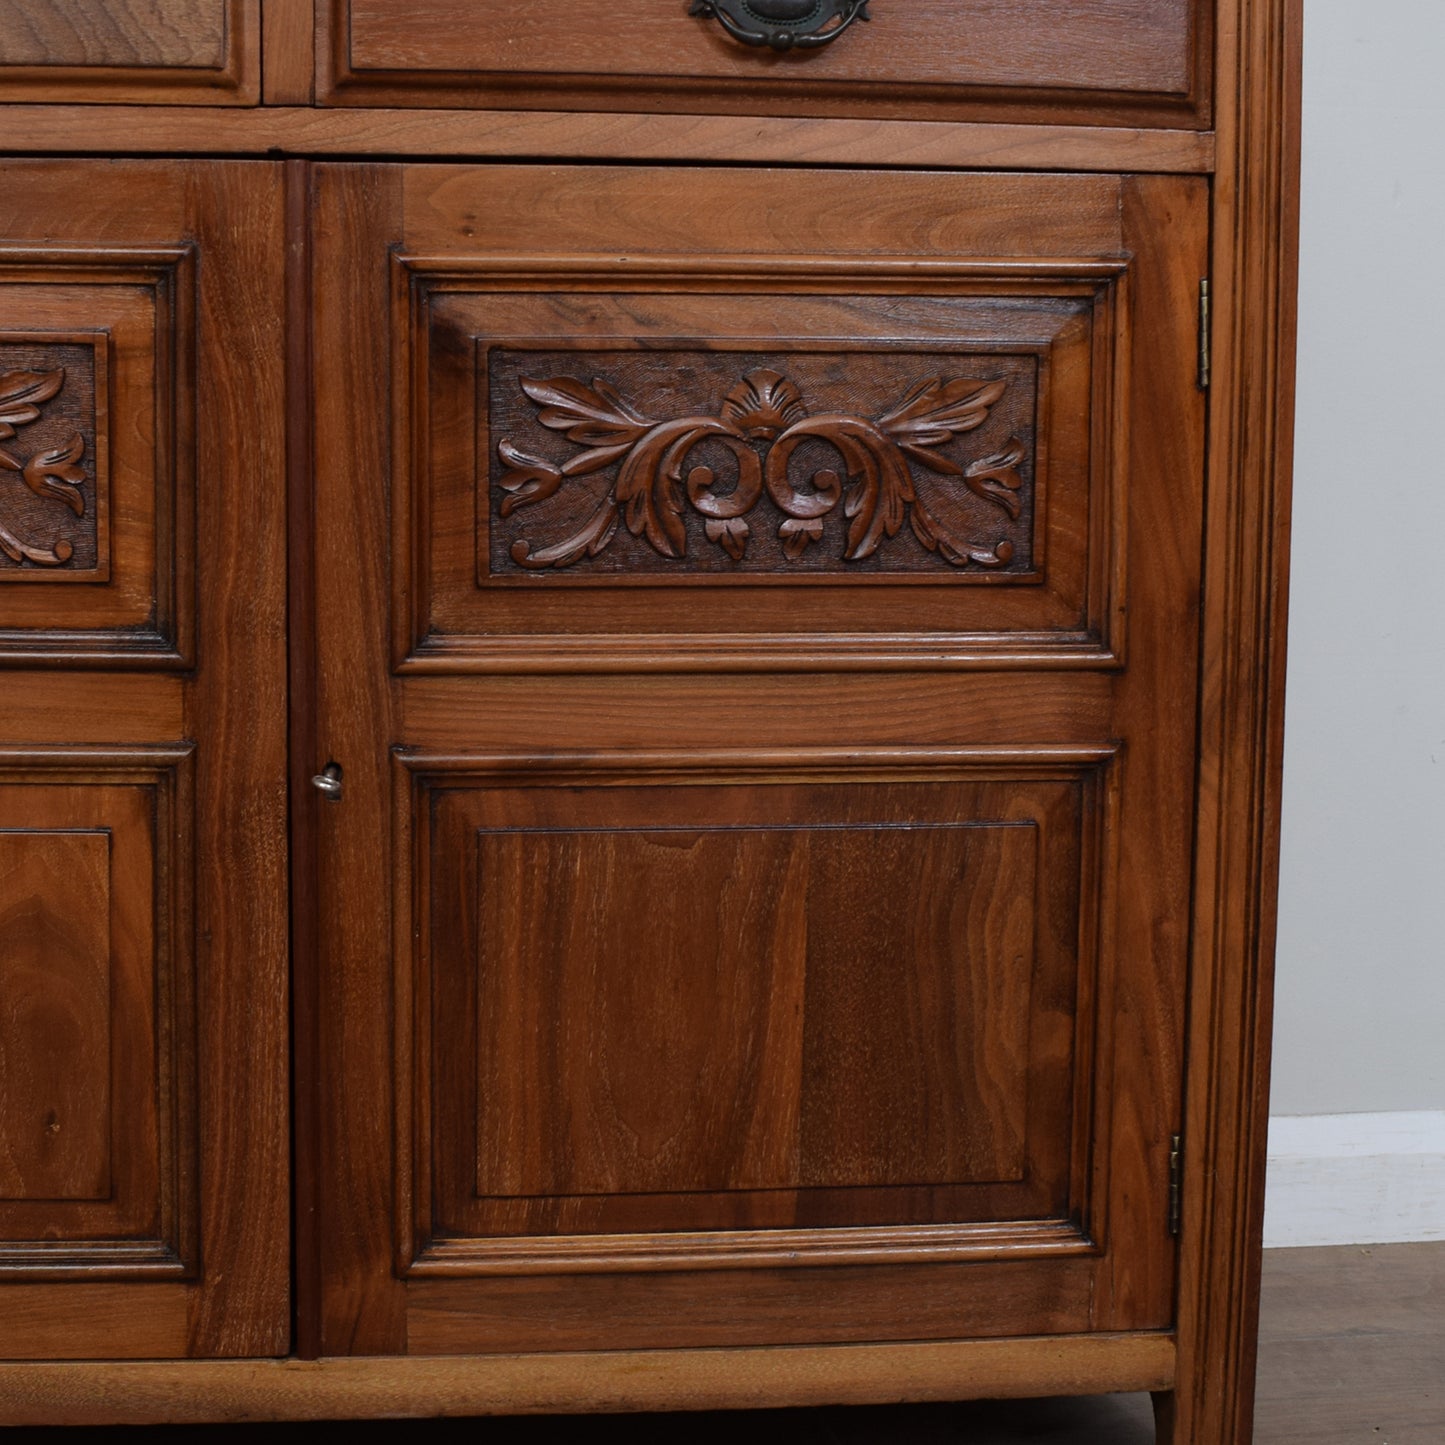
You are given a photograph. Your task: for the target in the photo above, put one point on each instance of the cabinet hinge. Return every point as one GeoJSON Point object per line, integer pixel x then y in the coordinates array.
{"type": "Point", "coordinates": [1176, 1182]}
{"type": "Point", "coordinates": [1204, 347]}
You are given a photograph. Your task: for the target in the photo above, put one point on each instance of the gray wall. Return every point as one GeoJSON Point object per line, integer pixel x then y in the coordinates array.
{"type": "Point", "coordinates": [1360, 1023]}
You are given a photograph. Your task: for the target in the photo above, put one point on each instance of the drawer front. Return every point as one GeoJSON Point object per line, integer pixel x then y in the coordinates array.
{"type": "Point", "coordinates": [1090, 61]}
{"type": "Point", "coordinates": [183, 52]}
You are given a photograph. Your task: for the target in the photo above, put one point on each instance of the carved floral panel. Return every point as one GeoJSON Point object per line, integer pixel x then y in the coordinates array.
{"type": "Point", "coordinates": [52, 395]}
{"type": "Point", "coordinates": [790, 465]}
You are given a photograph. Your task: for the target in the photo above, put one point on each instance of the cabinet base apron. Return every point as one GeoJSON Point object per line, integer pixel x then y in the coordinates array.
{"type": "Point", "coordinates": [197, 1392]}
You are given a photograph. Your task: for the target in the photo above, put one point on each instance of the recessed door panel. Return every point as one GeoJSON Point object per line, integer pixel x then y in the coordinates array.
{"type": "Point", "coordinates": [586, 488]}
{"type": "Point", "coordinates": [800, 1006]}
{"type": "Point", "coordinates": [97, 1038]}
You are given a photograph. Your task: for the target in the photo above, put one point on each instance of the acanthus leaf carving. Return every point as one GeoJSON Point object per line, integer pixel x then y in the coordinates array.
{"type": "Point", "coordinates": [997, 478]}
{"type": "Point", "coordinates": [654, 484]}
{"type": "Point", "coordinates": [22, 394]}
{"type": "Point", "coordinates": [57, 473]}
{"type": "Point", "coordinates": [54, 472]}
{"type": "Point", "coordinates": [526, 480]}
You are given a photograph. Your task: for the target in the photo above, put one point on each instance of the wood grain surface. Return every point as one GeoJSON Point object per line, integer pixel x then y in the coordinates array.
{"type": "Point", "coordinates": [55, 1028]}
{"type": "Point", "coordinates": [1010, 60]}
{"type": "Point", "coordinates": [237, 709]}
{"type": "Point", "coordinates": [291, 129]}
{"type": "Point", "coordinates": [143, 33]}
{"type": "Point", "coordinates": [288, 40]}
{"type": "Point", "coordinates": [1351, 1348]}
{"type": "Point", "coordinates": [144, 51]}
{"type": "Point", "coordinates": [328, 1389]}
{"type": "Point", "coordinates": [1242, 718]}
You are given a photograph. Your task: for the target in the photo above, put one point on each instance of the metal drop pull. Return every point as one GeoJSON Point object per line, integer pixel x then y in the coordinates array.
{"type": "Point", "coordinates": [328, 782]}
{"type": "Point", "coordinates": [783, 24]}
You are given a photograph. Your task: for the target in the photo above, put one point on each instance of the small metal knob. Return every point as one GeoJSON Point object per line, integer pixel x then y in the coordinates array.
{"type": "Point", "coordinates": [328, 782]}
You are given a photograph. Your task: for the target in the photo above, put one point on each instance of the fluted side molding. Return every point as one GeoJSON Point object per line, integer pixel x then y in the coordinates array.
{"type": "Point", "coordinates": [1254, 284]}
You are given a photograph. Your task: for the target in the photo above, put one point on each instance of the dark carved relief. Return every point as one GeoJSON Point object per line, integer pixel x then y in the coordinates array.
{"type": "Point", "coordinates": [45, 411]}
{"type": "Point", "coordinates": [777, 480]}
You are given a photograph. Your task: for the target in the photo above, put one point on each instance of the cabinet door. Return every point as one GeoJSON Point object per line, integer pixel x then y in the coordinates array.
{"type": "Point", "coordinates": [756, 627]}
{"type": "Point", "coordinates": [143, 1084]}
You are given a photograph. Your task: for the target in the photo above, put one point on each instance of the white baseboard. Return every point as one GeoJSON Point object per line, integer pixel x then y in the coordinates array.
{"type": "Point", "coordinates": [1355, 1179]}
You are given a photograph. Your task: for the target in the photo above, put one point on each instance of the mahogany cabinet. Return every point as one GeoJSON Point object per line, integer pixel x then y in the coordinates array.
{"type": "Point", "coordinates": [639, 762]}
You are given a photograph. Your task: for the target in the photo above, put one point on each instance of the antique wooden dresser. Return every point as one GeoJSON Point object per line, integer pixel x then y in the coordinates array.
{"type": "Point", "coordinates": [638, 753]}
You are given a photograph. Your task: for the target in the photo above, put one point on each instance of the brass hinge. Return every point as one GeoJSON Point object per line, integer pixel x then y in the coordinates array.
{"type": "Point", "coordinates": [1176, 1182]}
{"type": "Point", "coordinates": [1204, 349]}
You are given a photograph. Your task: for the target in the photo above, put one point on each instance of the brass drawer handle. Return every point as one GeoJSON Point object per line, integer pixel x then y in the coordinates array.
{"type": "Point", "coordinates": [783, 24]}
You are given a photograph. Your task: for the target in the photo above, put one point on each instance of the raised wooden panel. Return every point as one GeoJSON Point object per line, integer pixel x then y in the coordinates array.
{"type": "Point", "coordinates": [694, 973]}
{"type": "Point", "coordinates": [949, 479]}
{"type": "Point", "coordinates": [726, 1011]}
{"type": "Point", "coordinates": [55, 1020]}
{"type": "Point", "coordinates": [1092, 60]}
{"type": "Point", "coordinates": [97, 1031]}
{"type": "Point", "coordinates": [153, 51]}
{"type": "Point", "coordinates": [97, 456]}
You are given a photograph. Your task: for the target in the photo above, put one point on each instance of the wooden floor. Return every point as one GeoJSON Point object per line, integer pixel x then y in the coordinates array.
{"type": "Point", "coordinates": [1352, 1353]}
{"type": "Point", "coordinates": [1352, 1346]}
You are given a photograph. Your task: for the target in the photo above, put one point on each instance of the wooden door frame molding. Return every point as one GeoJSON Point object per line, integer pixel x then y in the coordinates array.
{"type": "Point", "coordinates": [1255, 271]}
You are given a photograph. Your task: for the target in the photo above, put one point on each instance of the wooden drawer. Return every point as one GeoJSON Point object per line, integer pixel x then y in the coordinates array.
{"type": "Point", "coordinates": [149, 51]}
{"type": "Point", "coordinates": [1141, 62]}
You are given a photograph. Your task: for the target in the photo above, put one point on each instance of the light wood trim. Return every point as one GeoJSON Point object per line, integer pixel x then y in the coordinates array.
{"type": "Point", "coordinates": [50, 1321]}
{"type": "Point", "coordinates": [1241, 736]}
{"type": "Point", "coordinates": [749, 1249]}
{"type": "Point", "coordinates": [498, 134]}
{"type": "Point", "coordinates": [288, 52]}
{"type": "Point", "coordinates": [194, 1392]}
